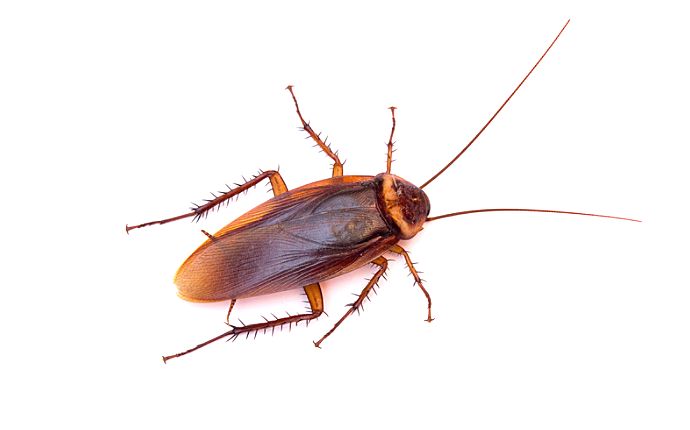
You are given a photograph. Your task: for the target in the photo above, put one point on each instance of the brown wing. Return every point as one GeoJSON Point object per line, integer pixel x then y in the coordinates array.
{"type": "Point", "coordinates": [306, 235]}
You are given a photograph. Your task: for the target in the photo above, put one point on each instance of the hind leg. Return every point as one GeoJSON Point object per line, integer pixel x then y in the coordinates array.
{"type": "Point", "coordinates": [315, 297]}
{"type": "Point", "coordinates": [273, 176]}
{"type": "Point", "coordinates": [314, 290]}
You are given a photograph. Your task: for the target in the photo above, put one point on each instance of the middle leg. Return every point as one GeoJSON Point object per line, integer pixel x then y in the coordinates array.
{"type": "Point", "coordinates": [383, 264]}
{"type": "Point", "coordinates": [337, 164]}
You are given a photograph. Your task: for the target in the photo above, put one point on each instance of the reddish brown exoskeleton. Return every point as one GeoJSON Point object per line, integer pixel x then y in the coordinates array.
{"type": "Point", "coordinates": [313, 233]}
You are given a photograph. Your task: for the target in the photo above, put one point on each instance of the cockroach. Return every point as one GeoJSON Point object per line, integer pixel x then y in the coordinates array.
{"type": "Point", "coordinates": [308, 235]}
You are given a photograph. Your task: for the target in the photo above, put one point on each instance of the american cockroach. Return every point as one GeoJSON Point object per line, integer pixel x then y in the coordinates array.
{"type": "Point", "coordinates": [302, 237]}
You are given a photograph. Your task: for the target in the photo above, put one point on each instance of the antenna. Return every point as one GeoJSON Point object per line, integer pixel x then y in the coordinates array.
{"type": "Point", "coordinates": [499, 110]}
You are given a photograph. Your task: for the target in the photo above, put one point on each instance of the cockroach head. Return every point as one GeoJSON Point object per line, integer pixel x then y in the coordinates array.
{"type": "Point", "coordinates": [404, 205]}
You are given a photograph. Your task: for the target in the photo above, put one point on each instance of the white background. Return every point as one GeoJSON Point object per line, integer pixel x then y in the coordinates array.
{"type": "Point", "coordinates": [123, 112]}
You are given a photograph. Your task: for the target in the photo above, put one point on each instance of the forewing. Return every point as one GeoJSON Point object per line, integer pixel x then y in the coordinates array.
{"type": "Point", "coordinates": [316, 234]}
{"type": "Point", "coordinates": [295, 203]}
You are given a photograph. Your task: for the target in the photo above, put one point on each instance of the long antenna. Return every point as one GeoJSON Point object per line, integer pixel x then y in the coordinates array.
{"type": "Point", "coordinates": [433, 218]}
{"type": "Point", "coordinates": [499, 109]}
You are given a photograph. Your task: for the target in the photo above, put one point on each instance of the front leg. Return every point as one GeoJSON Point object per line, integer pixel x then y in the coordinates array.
{"type": "Point", "coordinates": [389, 158]}
{"type": "Point", "coordinates": [399, 250]}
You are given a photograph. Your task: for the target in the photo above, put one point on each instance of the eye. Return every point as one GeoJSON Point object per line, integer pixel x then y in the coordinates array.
{"type": "Point", "coordinates": [427, 203]}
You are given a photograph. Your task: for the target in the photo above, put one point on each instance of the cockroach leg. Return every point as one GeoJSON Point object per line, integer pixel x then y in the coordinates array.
{"type": "Point", "coordinates": [315, 297]}
{"type": "Point", "coordinates": [207, 234]}
{"type": "Point", "coordinates": [276, 182]}
{"type": "Point", "coordinates": [232, 305]}
{"type": "Point", "coordinates": [389, 158]}
{"type": "Point", "coordinates": [337, 165]}
{"type": "Point", "coordinates": [399, 250]}
{"type": "Point", "coordinates": [383, 265]}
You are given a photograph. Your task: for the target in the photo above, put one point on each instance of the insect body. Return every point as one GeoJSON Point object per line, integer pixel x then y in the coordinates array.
{"type": "Point", "coordinates": [310, 234]}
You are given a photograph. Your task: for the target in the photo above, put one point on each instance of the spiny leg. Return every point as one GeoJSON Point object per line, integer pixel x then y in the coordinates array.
{"type": "Point", "coordinates": [315, 297]}
{"type": "Point", "coordinates": [337, 165]}
{"type": "Point", "coordinates": [232, 305]}
{"type": "Point", "coordinates": [389, 159]}
{"type": "Point", "coordinates": [399, 250]}
{"type": "Point", "coordinates": [276, 182]}
{"type": "Point", "coordinates": [383, 264]}
{"type": "Point", "coordinates": [279, 187]}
